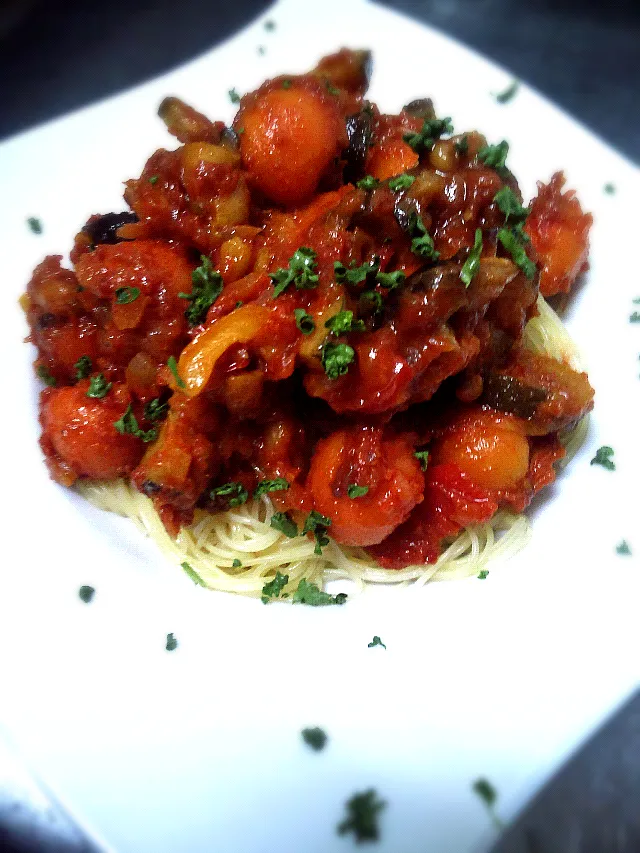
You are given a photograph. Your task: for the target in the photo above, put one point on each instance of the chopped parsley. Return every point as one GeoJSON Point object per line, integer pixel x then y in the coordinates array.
{"type": "Point", "coordinates": [507, 201]}
{"type": "Point", "coordinates": [234, 97]}
{"type": "Point", "coordinates": [422, 242]}
{"type": "Point", "coordinates": [155, 410]}
{"type": "Point", "coordinates": [512, 242]}
{"type": "Point", "coordinates": [623, 548]}
{"type": "Point", "coordinates": [368, 183]}
{"type": "Point", "coordinates": [336, 359]}
{"type": "Point", "coordinates": [354, 491]}
{"type": "Point", "coordinates": [482, 575]}
{"type": "Point", "coordinates": [315, 737]}
{"type": "Point", "coordinates": [462, 146]}
{"type": "Point", "coordinates": [495, 156]}
{"type": "Point", "coordinates": [354, 274]}
{"type": "Point", "coordinates": [234, 494]}
{"type": "Point", "coordinates": [45, 376]}
{"type": "Point", "coordinates": [472, 264]}
{"type": "Point", "coordinates": [301, 272]}
{"type": "Point", "coordinates": [236, 563]}
{"type": "Point", "coordinates": [83, 367]}
{"type": "Point", "coordinates": [273, 588]}
{"type": "Point", "coordinates": [269, 25]}
{"type": "Point", "coordinates": [609, 189]}
{"type": "Point", "coordinates": [304, 321]}
{"type": "Point", "coordinates": [317, 524]}
{"type": "Point", "coordinates": [343, 323]}
{"type": "Point", "coordinates": [423, 457]}
{"type": "Point", "coordinates": [172, 364]}
{"type": "Point", "coordinates": [261, 50]}
{"type": "Point", "coordinates": [286, 84]}
{"type": "Point", "coordinates": [128, 425]}
{"type": "Point", "coordinates": [331, 89]}
{"type": "Point", "coordinates": [603, 457]}
{"type": "Point", "coordinates": [508, 94]}
{"type": "Point", "coordinates": [635, 317]}
{"type": "Point", "coordinates": [432, 129]}
{"type": "Point", "coordinates": [35, 224]}
{"type": "Point", "coordinates": [311, 594]}
{"type": "Point", "coordinates": [402, 182]}
{"type": "Point", "coordinates": [390, 280]}
{"type": "Point", "coordinates": [283, 522]}
{"type": "Point", "coordinates": [376, 642]}
{"type": "Point", "coordinates": [191, 572]}
{"type": "Point", "coordinates": [207, 286]}
{"type": "Point", "coordinates": [153, 180]}
{"type": "Point", "coordinates": [86, 593]}
{"type": "Point", "coordinates": [370, 302]}
{"type": "Point", "coordinates": [171, 643]}
{"type": "Point", "coordinates": [363, 810]}
{"type": "Point", "coordinates": [266, 486]}
{"type": "Point", "coordinates": [488, 794]}
{"type": "Point", "coordinates": [98, 387]}
{"type": "Point", "coordinates": [125, 295]}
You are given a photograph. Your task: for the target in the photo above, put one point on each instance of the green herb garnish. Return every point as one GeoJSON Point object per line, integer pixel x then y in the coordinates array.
{"type": "Point", "coordinates": [483, 574]}
{"type": "Point", "coordinates": [266, 486]}
{"type": "Point", "coordinates": [86, 593]}
{"type": "Point", "coordinates": [236, 563]}
{"type": "Point", "coordinates": [422, 242]}
{"type": "Point", "coordinates": [401, 182]}
{"type": "Point", "coordinates": [635, 317]}
{"type": "Point", "coordinates": [472, 264]}
{"type": "Point", "coordinates": [508, 94]}
{"type": "Point", "coordinates": [354, 491]}
{"type": "Point", "coordinates": [354, 274]}
{"type": "Point", "coordinates": [207, 286]}
{"type": "Point", "coordinates": [343, 323]}
{"type": "Point", "coordinates": [269, 25]}
{"type": "Point", "coordinates": [317, 524]}
{"type": "Point", "coordinates": [363, 810]}
{"type": "Point", "coordinates": [155, 410]}
{"type": "Point", "coordinates": [172, 364]}
{"type": "Point", "coordinates": [128, 425]}
{"type": "Point", "coordinates": [488, 794]}
{"type": "Point", "coordinates": [390, 280]}
{"type": "Point", "coordinates": [315, 737]}
{"type": "Point", "coordinates": [83, 367]}
{"type": "Point", "coordinates": [368, 183]}
{"type": "Point", "coordinates": [331, 89]}
{"type": "Point", "coordinates": [125, 295]}
{"type": "Point", "coordinates": [495, 156]}
{"type": "Point", "coordinates": [98, 387]}
{"type": "Point", "coordinates": [311, 594]}
{"type": "Point", "coordinates": [423, 457]}
{"type": "Point", "coordinates": [623, 548]}
{"type": "Point", "coordinates": [514, 212]}
{"type": "Point", "coordinates": [462, 146]}
{"type": "Point", "coordinates": [512, 242]}
{"type": "Point", "coordinates": [286, 84]}
{"type": "Point", "coordinates": [35, 224]}
{"type": "Point", "coordinates": [234, 97]}
{"type": "Point", "coordinates": [304, 321]}
{"type": "Point", "coordinates": [171, 643]}
{"type": "Point", "coordinates": [274, 587]}
{"type": "Point", "coordinates": [153, 180]}
{"type": "Point", "coordinates": [233, 493]}
{"type": "Point", "coordinates": [283, 522]}
{"type": "Point", "coordinates": [432, 129]}
{"type": "Point", "coordinates": [603, 457]}
{"type": "Point", "coordinates": [376, 642]}
{"type": "Point", "coordinates": [336, 359]}
{"type": "Point", "coordinates": [45, 376]}
{"type": "Point", "coordinates": [301, 272]}
{"type": "Point", "coordinates": [191, 572]}
{"type": "Point", "coordinates": [609, 189]}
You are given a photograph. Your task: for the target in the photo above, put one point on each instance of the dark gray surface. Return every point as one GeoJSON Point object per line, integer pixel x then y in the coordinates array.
{"type": "Point", "coordinates": [61, 54]}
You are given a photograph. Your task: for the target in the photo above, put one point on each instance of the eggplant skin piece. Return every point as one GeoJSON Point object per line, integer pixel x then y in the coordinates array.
{"type": "Point", "coordinates": [360, 134]}
{"type": "Point", "coordinates": [512, 396]}
{"type": "Point", "coordinates": [103, 229]}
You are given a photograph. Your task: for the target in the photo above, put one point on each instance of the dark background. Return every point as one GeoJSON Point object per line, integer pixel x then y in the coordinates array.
{"type": "Point", "coordinates": [57, 55]}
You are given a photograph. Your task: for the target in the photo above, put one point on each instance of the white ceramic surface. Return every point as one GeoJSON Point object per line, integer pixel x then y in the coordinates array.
{"type": "Point", "coordinates": [199, 749]}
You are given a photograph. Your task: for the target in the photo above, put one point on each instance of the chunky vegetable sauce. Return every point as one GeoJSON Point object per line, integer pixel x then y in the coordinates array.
{"type": "Point", "coordinates": [321, 302]}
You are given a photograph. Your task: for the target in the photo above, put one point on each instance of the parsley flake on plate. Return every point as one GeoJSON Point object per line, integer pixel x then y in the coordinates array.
{"type": "Point", "coordinates": [363, 810]}
{"type": "Point", "coordinates": [83, 367]}
{"type": "Point", "coordinates": [609, 189]}
{"type": "Point", "coordinates": [462, 146]}
{"type": "Point", "coordinates": [423, 457]}
{"type": "Point", "coordinates": [482, 575]}
{"type": "Point", "coordinates": [376, 642]}
{"type": "Point", "coordinates": [266, 486]}
{"type": "Point", "coordinates": [336, 359]}
{"type": "Point", "coordinates": [354, 491]}
{"type": "Point", "coordinates": [171, 643]}
{"type": "Point", "coordinates": [314, 737]}
{"type": "Point", "coordinates": [283, 522]}
{"type": "Point", "coordinates": [432, 129]}
{"type": "Point", "coordinates": [191, 572]}
{"type": "Point", "coordinates": [604, 457]}
{"type": "Point", "coordinates": [508, 94]}
{"type": "Point", "coordinates": [98, 387]}
{"type": "Point", "coordinates": [508, 203]}
{"type": "Point", "coordinates": [128, 425]}
{"type": "Point", "coordinates": [125, 295]}
{"type": "Point", "coordinates": [234, 97]}
{"type": "Point", "coordinates": [635, 317]}
{"type": "Point", "coordinates": [343, 323]}
{"type": "Point", "coordinates": [311, 594]}
{"type": "Point", "coordinates": [35, 225]}
{"type": "Point", "coordinates": [390, 280]}
{"type": "Point", "coordinates": [495, 156]}
{"type": "Point", "coordinates": [304, 322]}
{"type": "Point", "coordinates": [368, 183]}
{"type": "Point", "coordinates": [472, 264]}
{"type": "Point", "coordinates": [488, 794]}
{"type": "Point", "coordinates": [401, 182]}
{"type": "Point", "coordinates": [86, 593]}
{"type": "Point", "coordinates": [236, 564]}
{"type": "Point", "coordinates": [422, 243]}
{"type": "Point", "coordinates": [301, 272]}
{"type": "Point", "coordinates": [172, 364]}
{"type": "Point", "coordinates": [233, 494]}
{"type": "Point", "coordinates": [153, 180]}
{"type": "Point", "coordinates": [512, 242]}
{"type": "Point", "coordinates": [207, 286]}
{"type": "Point", "coordinates": [45, 376]}
{"type": "Point", "coordinates": [156, 410]}
{"type": "Point", "coordinates": [354, 274]}
{"type": "Point", "coordinates": [623, 549]}
{"type": "Point", "coordinates": [317, 524]}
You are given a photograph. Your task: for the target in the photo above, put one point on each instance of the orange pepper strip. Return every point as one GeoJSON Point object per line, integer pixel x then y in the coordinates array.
{"type": "Point", "coordinates": [198, 359]}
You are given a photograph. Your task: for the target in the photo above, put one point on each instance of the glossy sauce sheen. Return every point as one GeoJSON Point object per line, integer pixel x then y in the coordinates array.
{"type": "Point", "coordinates": [244, 381]}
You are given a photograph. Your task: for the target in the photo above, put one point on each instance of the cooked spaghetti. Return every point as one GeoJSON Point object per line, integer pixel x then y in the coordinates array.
{"type": "Point", "coordinates": [317, 346]}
